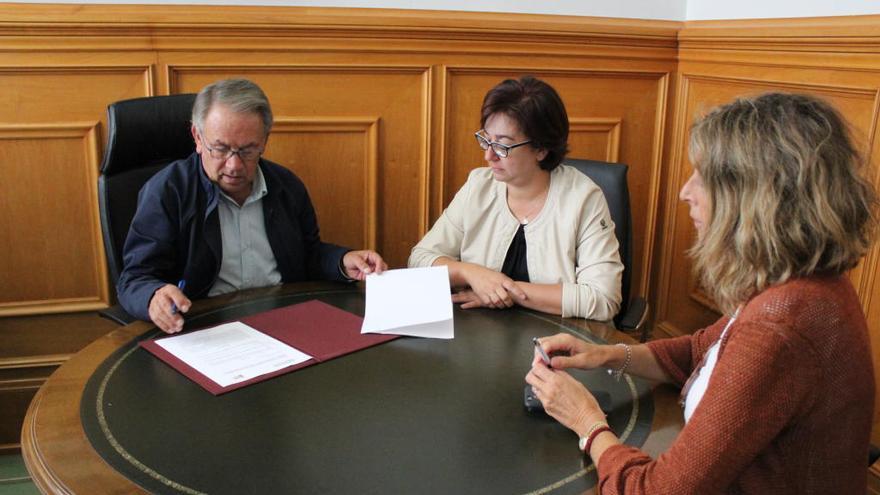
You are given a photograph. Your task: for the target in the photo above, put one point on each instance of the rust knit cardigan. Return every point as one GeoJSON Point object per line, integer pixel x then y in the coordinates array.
{"type": "Point", "coordinates": [788, 408]}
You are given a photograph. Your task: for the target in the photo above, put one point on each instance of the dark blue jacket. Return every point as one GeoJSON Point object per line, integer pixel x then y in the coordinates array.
{"type": "Point", "coordinates": [175, 234]}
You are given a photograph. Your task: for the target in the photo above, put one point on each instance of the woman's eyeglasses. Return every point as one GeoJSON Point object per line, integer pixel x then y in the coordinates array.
{"type": "Point", "coordinates": [500, 149]}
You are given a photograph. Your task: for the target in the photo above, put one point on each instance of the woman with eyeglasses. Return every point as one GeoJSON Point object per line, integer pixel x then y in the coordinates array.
{"type": "Point", "coordinates": [526, 229]}
{"type": "Point", "coordinates": [777, 395]}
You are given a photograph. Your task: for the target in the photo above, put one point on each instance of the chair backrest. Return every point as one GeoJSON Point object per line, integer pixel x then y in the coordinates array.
{"type": "Point", "coordinates": [611, 178]}
{"type": "Point", "coordinates": [144, 135]}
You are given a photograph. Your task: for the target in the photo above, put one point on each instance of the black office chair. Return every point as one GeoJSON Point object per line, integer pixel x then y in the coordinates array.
{"type": "Point", "coordinates": [611, 178]}
{"type": "Point", "coordinates": [144, 135]}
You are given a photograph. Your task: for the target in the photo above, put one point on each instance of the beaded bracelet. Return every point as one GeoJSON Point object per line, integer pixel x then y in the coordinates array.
{"type": "Point", "coordinates": [619, 371]}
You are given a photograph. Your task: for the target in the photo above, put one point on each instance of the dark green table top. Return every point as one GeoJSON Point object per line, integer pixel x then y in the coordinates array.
{"type": "Point", "coordinates": [407, 416]}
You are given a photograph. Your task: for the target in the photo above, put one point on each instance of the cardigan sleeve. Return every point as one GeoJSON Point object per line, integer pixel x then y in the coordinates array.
{"type": "Point", "coordinates": [761, 382]}
{"type": "Point", "coordinates": [446, 236]}
{"type": "Point", "coordinates": [598, 269]}
{"type": "Point", "coordinates": [678, 356]}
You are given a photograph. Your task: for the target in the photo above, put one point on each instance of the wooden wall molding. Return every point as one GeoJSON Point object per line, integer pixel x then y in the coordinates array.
{"type": "Point", "coordinates": [368, 129]}
{"type": "Point", "coordinates": [174, 72]}
{"type": "Point", "coordinates": [813, 34]}
{"type": "Point", "coordinates": [173, 24]}
{"type": "Point", "coordinates": [28, 373]}
{"type": "Point", "coordinates": [609, 128]}
{"type": "Point", "coordinates": [21, 65]}
{"type": "Point", "coordinates": [20, 378]}
{"type": "Point", "coordinates": [698, 295]}
{"type": "Point", "coordinates": [49, 361]}
{"type": "Point", "coordinates": [755, 85]}
{"type": "Point", "coordinates": [845, 43]}
{"type": "Point", "coordinates": [90, 289]}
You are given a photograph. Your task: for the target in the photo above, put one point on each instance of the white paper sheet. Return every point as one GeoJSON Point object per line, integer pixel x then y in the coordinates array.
{"type": "Point", "coordinates": [232, 352]}
{"type": "Point", "coordinates": [412, 301]}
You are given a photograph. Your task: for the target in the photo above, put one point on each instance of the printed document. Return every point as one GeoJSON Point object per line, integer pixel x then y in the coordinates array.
{"type": "Point", "coordinates": [412, 301]}
{"type": "Point", "coordinates": [232, 352]}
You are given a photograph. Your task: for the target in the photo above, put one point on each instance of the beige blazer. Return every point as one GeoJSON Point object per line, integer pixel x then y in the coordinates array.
{"type": "Point", "coordinates": [571, 241]}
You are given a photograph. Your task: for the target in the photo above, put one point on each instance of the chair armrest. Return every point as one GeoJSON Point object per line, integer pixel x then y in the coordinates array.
{"type": "Point", "coordinates": [117, 315]}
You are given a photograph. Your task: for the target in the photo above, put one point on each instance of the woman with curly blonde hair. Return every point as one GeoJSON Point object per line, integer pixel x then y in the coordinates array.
{"type": "Point", "coordinates": [778, 393]}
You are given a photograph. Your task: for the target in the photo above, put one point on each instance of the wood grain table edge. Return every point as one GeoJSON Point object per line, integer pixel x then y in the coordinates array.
{"type": "Point", "coordinates": [55, 449]}
{"type": "Point", "coordinates": [61, 460]}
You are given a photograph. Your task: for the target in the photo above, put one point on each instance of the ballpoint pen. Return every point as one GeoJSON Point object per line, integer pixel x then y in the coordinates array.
{"type": "Point", "coordinates": [544, 355]}
{"type": "Point", "coordinates": [181, 284]}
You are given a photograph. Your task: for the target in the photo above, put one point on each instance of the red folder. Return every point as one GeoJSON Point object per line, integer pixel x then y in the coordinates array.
{"type": "Point", "coordinates": [316, 328]}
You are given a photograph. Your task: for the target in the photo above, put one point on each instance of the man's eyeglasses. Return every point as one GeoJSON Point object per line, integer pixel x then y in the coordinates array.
{"type": "Point", "coordinates": [225, 153]}
{"type": "Point", "coordinates": [500, 149]}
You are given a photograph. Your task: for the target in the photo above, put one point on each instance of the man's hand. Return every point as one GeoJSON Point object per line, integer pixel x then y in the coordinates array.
{"type": "Point", "coordinates": [165, 307]}
{"type": "Point", "coordinates": [359, 264]}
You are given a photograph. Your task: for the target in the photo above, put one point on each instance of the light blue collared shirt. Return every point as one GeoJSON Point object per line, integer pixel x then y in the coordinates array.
{"type": "Point", "coordinates": [248, 260]}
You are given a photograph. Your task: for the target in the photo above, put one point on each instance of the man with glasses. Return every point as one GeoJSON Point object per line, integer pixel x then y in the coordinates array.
{"type": "Point", "coordinates": [225, 219]}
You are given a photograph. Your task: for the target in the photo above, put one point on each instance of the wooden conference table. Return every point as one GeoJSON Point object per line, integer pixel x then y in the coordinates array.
{"type": "Point", "coordinates": [406, 416]}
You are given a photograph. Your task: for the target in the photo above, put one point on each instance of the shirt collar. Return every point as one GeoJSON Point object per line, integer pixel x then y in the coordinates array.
{"type": "Point", "coordinates": [258, 189]}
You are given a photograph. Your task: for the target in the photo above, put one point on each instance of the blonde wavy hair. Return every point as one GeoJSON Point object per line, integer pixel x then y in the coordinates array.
{"type": "Point", "coordinates": [787, 195]}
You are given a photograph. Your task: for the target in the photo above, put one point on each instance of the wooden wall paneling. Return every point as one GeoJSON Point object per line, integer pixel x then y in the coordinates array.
{"type": "Point", "coordinates": [434, 186]}
{"type": "Point", "coordinates": [20, 378]}
{"type": "Point", "coordinates": [874, 479]}
{"type": "Point", "coordinates": [31, 348]}
{"type": "Point", "coordinates": [395, 96]}
{"type": "Point", "coordinates": [676, 174]}
{"type": "Point", "coordinates": [682, 306]}
{"type": "Point", "coordinates": [870, 293]}
{"type": "Point", "coordinates": [182, 27]}
{"type": "Point", "coordinates": [51, 136]}
{"type": "Point", "coordinates": [872, 313]}
{"type": "Point", "coordinates": [597, 137]}
{"type": "Point", "coordinates": [78, 91]}
{"type": "Point", "coordinates": [609, 110]}
{"type": "Point", "coordinates": [337, 159]}
{"type": "Point", "coordinates": [427, 159]}
{"type": "Point", "coordinates": [54, 258]}
{"type": "Point", "coordinates": [52, 130]}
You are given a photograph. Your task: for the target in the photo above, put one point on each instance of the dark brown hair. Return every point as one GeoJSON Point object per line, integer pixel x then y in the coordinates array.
{"type": "Point", "coordinates": [536, 107]}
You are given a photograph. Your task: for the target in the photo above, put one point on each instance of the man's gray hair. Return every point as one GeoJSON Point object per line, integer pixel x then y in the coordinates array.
{"type": "Point", "coordinates": [240, 95]}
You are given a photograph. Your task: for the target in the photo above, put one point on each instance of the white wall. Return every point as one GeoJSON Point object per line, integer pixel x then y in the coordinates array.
{"type": "Point", "coordinates": [673, 10]}
{"type": "Point", "coordinates": [758, 9]}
